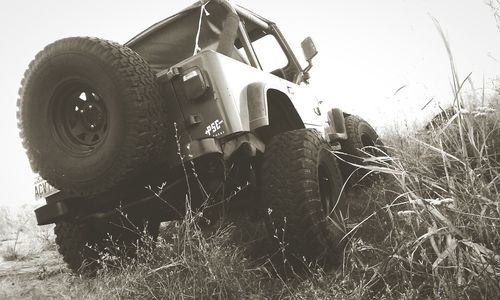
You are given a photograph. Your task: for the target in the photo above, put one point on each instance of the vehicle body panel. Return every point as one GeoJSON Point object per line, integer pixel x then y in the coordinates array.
{"type": "Point", "coordinates": [240, 99]}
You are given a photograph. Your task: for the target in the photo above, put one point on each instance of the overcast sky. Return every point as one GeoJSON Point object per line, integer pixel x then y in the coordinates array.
{"type": "Point", "coordinates": [367, 50]}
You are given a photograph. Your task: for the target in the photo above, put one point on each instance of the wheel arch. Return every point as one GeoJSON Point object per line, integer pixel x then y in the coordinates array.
{"type": "Point", "coordinates": [271, 111]}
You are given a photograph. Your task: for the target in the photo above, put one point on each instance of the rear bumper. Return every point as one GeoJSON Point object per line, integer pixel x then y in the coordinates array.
{"type": "Point", "coordinates": [61, 206]}
{"type": "Point", "coordinates": [50, 213]}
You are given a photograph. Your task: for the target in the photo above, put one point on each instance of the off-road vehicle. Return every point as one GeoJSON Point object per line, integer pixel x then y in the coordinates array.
{"type": "Point", "coordinates": [188, 109]}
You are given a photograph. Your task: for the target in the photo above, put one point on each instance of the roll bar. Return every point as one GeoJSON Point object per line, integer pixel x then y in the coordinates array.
{"type": "Point", "coordinates": [232, 27]}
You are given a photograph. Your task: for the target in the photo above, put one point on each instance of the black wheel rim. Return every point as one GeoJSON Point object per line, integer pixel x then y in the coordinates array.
{"type": "Point", "coordinates": [79, 117]}
{"type": "Point", "coordinates": [326, 184]}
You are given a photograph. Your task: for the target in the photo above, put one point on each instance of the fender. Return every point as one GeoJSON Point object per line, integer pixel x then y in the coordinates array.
{"type": "Point", "coordinates": [257, 102]}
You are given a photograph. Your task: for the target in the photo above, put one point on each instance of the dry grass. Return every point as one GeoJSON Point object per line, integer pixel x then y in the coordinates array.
{"type": "Point", "coordinates": [429, 227]}
{"type": "Point", "coordinates": [440, 216]}
{"type": "Point", "coordinates": [190, 263]}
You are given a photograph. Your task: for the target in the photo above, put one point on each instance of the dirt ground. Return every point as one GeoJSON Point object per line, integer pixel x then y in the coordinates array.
{"type": "Point", "coordinates": [34, 272]}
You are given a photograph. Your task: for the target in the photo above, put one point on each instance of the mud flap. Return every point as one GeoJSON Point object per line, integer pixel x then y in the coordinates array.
{"type": "Point", "coordinates": [335, 131]}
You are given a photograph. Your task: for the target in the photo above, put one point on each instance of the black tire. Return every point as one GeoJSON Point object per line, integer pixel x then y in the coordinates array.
{"type": "Point", "coordinates": [81, 244]}
{"type": "Point", "coordinates": [301, 182]}
{"type": "Point", "coordinates": [89, 114]}
{"type": "Point", "coordinates": [441, 119]}
{"type": "Point", "coordinates": [362, 142]}
{"type": "Point", "coordinates": [77, 244]}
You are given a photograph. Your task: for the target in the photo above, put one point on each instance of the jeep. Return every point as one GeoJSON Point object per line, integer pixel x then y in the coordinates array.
{"type": "Point", "coordinates": [184, 118]}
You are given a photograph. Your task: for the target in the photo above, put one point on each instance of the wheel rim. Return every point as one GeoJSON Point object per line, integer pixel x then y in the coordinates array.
{"type": "Point", "coordinates": [79, 117]}
{"type": "Point", "coordinates": [326, 184]}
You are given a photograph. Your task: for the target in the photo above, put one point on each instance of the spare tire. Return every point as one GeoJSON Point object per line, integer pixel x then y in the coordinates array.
{"type": "Point", "coordinates": [89, 114]}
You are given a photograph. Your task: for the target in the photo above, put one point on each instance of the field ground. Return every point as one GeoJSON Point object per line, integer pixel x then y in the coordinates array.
{"type": "Point", "coordinates": [426, 227]}
{"type": "Point", "coordinates": [35, 274]}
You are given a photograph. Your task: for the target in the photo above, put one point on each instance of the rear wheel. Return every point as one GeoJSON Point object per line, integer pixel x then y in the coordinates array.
{"type": "Point", "coordinates": [82, 245]}
{"type": "Point", "coordinates": [90, 114]}
{"type": "Point", "coordinates": [301, 188]}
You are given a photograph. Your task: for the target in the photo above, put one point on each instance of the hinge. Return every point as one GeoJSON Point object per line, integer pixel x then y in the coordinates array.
{"type": "Point", "coordinates": [168, 74]}
{"type": "Point", "coordinates": [193, 120]}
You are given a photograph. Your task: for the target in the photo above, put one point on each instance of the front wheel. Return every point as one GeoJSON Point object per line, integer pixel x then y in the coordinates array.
{"type": "Point", "coordinates": [302, 191]}
{"type": "Point", "coordinates": [362, 142]}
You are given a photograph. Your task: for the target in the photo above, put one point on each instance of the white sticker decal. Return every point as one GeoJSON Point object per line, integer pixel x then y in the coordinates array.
{"type": "Point", "coordinates": [214, 129]}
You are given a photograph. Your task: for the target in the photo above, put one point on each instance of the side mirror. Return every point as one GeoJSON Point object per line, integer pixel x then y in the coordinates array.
{"type": "Point", "coordinates": [309, 49]}
{"type": "Point", "coordinates": [310, 52]}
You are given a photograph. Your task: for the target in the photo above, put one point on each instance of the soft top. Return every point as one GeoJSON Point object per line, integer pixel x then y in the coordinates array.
{"type": "Point", "coordinates": [174, 39]}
